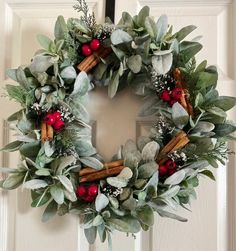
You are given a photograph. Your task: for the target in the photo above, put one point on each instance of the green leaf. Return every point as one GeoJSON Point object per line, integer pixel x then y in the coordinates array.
{"type": "Point", "coordinates": [43, 172]}
{"type": "Point", "coordinates": [11, 147]}
{"type": "Point", "coordinates": [167, 214]}
{"type": "Point", "coordinates": [126, 173]}
{"type": "Point", "coordinates": [92, 162]}
{"type": "Point", "coordinates": [50, 211]}
{"type": "Point", "coordinates": [117, 182]}
{"type": "Point", "coordinates": [30, 150]}
{"type": "Point", "coordinates": [222, 130]}
{"type": "Point", "coordinates": [82, 84]}
{"type": "Point", "coordinates": [189, 49]}
{"type": "Point", "coordinates": [150, 151]}
{"type": "Point", "coordinates": [146, 170]}
{"type": "Point", "coordinates": [60, 28]}
{"type": "Point", "coordinates": [65, 162]}
{"type": "Point", "coordinates": [57, 194]}
{"type": "Point", "coordinates": [41, 200]}
{"type": "Point", "coordinates": [66, 183]}
{"type": "Point", "coordinates": [41, 63]}
{"type": "Point", "coordinates": [11, 73]}
{"type": "Point", "coordinates": [98, 220]}
{"type": "Point", "coordinates": [101, 202]}
{"type": "Point", "coordinates": [209, 174]}
{"type": "Point", "coordinates": [203, 126]}
{"type": "Point", "coordinates": [69, 73]}
{"type": "Point", "coordinates": [179, 115]}
{"type": "Point", "coordinates": [217, 111]}
{"type": "Point", "coordinates": [113, 85]}
{"type": "Point", "coordinates": [175, 178]}
{"type": "Point", "coordinates": [91, 234]}
{"type": "Point", "coordinates": [162, 64]}
{"type": "Point", "coordinates": [17, 93]}
{"type": "Point", "coordinates": [35, 184]}
{"type": "Point", "coordinates": [135, 63]}
{"type": "Point", "coordinates": [85, 148]}
{"type": "Point", "coordinates": [126, 20]}
{"type": "Point", "coordinates": [226, 103]}
{"type": "Point", "coordinates": [120, 37]}
{"type": "Point", "coordinates": [162, 26]}
{"type": "Point", "coordinates": [145, 215]}
{"type": "Point", "coordinates": [171, 192]}
{"type": "Point", "coordinates": [21, 78]}
{"type": "Point", "coordinates": [127, 224]}
{"type": "Point", "coordinates": [13, 181]}
{"type": "Point", "coordinates": [151, 27]}
{"type": "Point", "coordinates": [143, 13]}
{"type": "Point", "coordinates": [44, 41]}
{"type": "Point", "coordinates": [184, 32]}
{"type": "Point", "coordinates": [206, 79]}
{"type": "Point", "coordinates": [49, 148]}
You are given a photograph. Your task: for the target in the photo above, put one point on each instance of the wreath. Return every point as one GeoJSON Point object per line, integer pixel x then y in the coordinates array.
{"type": "Point", "coordinates": [161, 171]}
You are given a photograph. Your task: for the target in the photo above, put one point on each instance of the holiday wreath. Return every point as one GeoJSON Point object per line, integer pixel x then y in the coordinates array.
{"type": "Point", "coordinates": [160, 172]}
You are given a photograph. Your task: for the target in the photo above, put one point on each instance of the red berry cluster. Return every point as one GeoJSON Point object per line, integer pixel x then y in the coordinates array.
{"type": "Point", "coordinates": [172, 96]}
{"type": "Point", "coordinates": [88, 194]}
{"type": "Point", "coordinates": [54, 119]}
{"type": "Point", "coordinates": [168, 168]}
{"type": "Point", "coordinates": [87, 49]}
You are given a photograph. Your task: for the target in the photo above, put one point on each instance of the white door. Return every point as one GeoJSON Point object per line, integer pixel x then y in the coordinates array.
{"type": "Point", "coordinates": [206, 230]}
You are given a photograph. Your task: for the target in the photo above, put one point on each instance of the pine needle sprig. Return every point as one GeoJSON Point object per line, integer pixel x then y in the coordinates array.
{"type": "Point", "coordinates": [87, 18]}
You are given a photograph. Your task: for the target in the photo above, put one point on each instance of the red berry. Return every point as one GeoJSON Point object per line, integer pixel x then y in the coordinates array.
{"type": "Point", "coordinates": [57, 115]}
{"type": "Point", "coordinates": [50, 119]}
{"type": "Point", "coordinates": [165, 96]}
{"type": "Point", "coordinates": [170, 165]}
{"type": "Point", "coordinates": [58, 124]}
{"type": "Point", "coordinates": [86, 50]}
{"type": "Point", "coordinates": [95, 44]}
{"type": "Point", "coordinates": [177, 93]}
{"type": "Point", "coordinates": [89, 199]}
{"type": "Point", "coordinates": [163, 170]}
{"type": "Point", "coordinates": [93, 190]}
{"type": "Point", "coordinates": [81, 191]}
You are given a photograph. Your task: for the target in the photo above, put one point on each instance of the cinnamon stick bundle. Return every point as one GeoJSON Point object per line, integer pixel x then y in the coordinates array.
{"type": "Point", "coordinates": [179, 141]}
{"type": "Point", "coordinates": [184, 99]}
{"type": "Point", "coordinates": [89, 174]}
{"type": "Point", "coordinates": [91, 61]}
{"type": "Point", "coordinates": [90, 170]}
{"type": "Point", "coordinates": [99, 175]}
{"type": "Point", "coordinates": [46, 132]}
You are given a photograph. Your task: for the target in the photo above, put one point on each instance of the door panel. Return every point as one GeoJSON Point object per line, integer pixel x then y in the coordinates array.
{"type": "Point", "coordinates": [116, 120]}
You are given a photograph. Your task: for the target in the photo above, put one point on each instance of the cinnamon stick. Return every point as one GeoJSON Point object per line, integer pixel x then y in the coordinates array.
{"type": "Point", "coordinates": [46, 132]}
{"type": "Point", "coordinates": [43, 132]}
{"type": "Point", "coordinates": [90, 170]}
{"type": "Point", "coordinates": [99, 175]}
{"type": "Point", "coordinates": [184, 99]}
{"type": "Point", "coordinates": [178, 142]}
{"type": "Point", "coordinates": [49, 132]}
{"type": "Point", "coordinates": [91, 61]}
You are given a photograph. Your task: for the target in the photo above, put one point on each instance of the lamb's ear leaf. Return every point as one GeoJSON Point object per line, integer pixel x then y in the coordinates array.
{"type": "Point", "coordinates": [60, 28]}
{"type": "Point", "coordinates": [91, 234]}
{"type": "Point", "coordinates": [50, 211]}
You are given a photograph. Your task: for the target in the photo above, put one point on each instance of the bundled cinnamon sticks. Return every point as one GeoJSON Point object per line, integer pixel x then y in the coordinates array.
{"type": "Point", "coordinates": [46, 132]}
{"type": "Point", "coordinates": [179, 141]}
{"type": "Point", "coordinates": [89, 174]}
{"type": "Point", "coordinates": [184, 99]}
{"type": "Point", "coordinates": [91, 61]}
